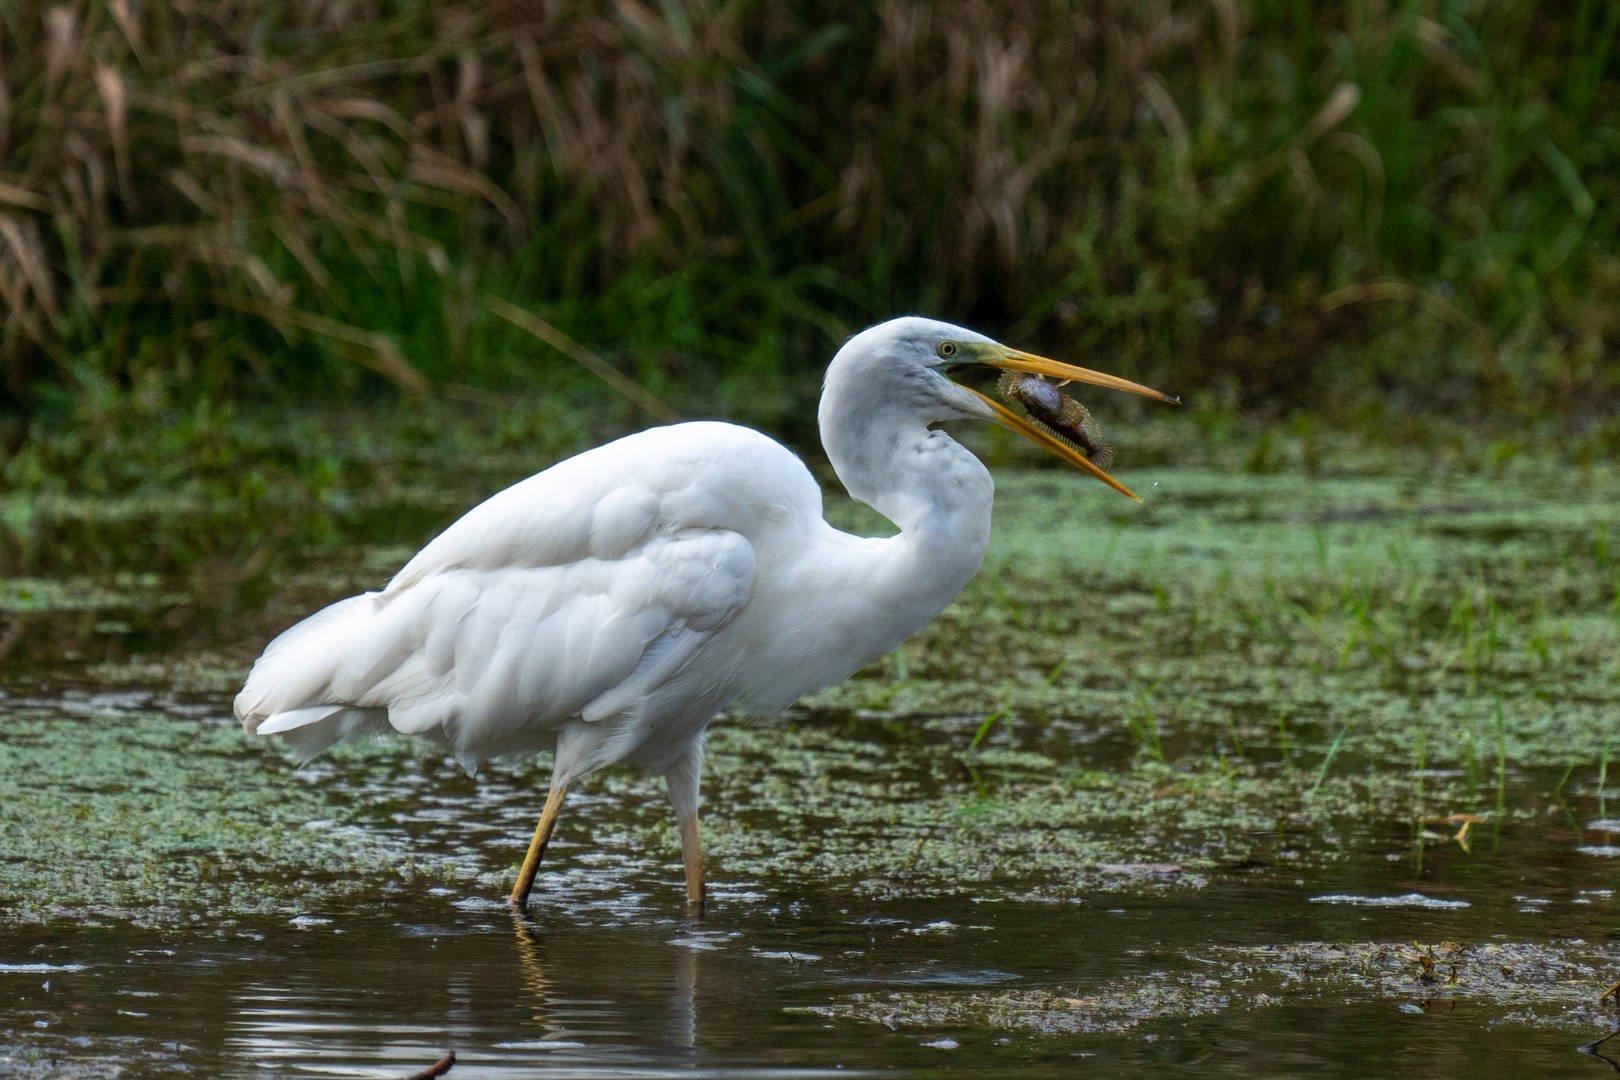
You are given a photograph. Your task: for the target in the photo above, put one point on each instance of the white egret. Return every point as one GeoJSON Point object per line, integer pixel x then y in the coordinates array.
{"type": "Point", "coordinates": [607, 608]}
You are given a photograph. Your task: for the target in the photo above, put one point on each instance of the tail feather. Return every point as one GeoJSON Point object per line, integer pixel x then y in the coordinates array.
{"type": "Point", "coordinates": [295, 718]}
{"type": "Point", "coordinates": [299, 667]}
{"type": "Point", "coordinates": [315, 738]}
{"type": "Point", "coordinates": [298, 690]}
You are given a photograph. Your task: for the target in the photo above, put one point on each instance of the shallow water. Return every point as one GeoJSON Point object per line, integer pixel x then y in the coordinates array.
{"type": "Point", "coordinates": [1205, 835]}
{"type": "Point", "coordinates": [611, 979]}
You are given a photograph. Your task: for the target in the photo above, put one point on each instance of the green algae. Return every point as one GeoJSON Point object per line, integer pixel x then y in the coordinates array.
{"type": "Point", "coordinates": [203, 673]}
{"type": "Point", "coordinates": [19, 596]}
{"type": "Point", "coordinates": [1532, 983]}
{"type": "Point", "coordinates": [28, 1062]}
{"type": "Point", "coordinates": [132, 812]}
{"type": "Point", "coordinates": [1293, 654]}
{"type": "Point", "coordinates": [1270, 614]}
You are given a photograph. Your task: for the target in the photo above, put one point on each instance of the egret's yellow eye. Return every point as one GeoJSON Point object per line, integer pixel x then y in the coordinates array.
{"type": "Point", "coordinates": [947, 349]}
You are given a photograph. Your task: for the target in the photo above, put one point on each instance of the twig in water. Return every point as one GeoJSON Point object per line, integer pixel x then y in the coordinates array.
{"type": "Point", "coordinates": [1592, 1048]}
{"type": "Point", "coordinates": [437, 1069]}
{"type": "Point", "coordinates": [1558, 791]}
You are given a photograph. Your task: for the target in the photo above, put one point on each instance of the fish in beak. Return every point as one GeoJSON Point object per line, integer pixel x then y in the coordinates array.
{"type": "Point", "coordinates": [999, 356]}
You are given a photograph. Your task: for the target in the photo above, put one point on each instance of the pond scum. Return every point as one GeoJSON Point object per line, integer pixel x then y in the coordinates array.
{"type": "Point", "coordinates": [1249, 670]}
{"type": "Point", "coordinates": [1527, 981]}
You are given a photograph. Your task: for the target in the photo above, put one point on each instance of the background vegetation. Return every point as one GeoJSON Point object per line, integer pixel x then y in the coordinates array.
{"type": "Point", "coordinates": [1370, 211]}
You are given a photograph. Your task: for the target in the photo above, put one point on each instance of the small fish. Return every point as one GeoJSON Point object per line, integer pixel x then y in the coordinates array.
{"type": "Point", "coordinates": [1058, 413]}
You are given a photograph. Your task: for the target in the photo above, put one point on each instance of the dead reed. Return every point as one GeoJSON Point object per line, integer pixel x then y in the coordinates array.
{"type": "Point", "coordinates": [1222, 194]}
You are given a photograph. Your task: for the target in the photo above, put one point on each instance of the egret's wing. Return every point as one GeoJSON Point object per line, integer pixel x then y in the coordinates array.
{"type": "Point", "coordinates": [477, 655]}
{"type": "Point", "coordinates": [578, 592]}
{"type": "Point", "coordinates": [606, 503]}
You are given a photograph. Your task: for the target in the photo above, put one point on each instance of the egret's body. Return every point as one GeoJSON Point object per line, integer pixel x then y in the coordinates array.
{"type": "Point", "coordinates": [608, 607]}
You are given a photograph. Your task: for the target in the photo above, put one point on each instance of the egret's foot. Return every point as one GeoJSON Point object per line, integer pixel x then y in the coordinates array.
{"type": "Point", "coordinates": [537, 846]}
{"type": "Point", "coordinates": [692, 859]}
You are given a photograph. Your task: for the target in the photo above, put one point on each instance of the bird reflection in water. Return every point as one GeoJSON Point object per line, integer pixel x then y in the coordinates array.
{"type": "Point", "coordinates": [532, 964]}
{"type": "Point", "coordinates": [681, 1025]}
{"type": "Point", "coordinates": [683, 998]}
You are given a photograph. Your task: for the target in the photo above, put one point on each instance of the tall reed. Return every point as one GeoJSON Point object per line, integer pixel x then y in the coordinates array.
{"type": "Point", "coordinates": [1351, 204]}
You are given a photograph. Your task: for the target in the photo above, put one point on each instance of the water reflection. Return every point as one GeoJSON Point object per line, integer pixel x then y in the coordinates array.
{"type": "Point", "coordinates": [683, 1016]}
{"type": "Point", "coordinates": [385, 989]}
{"type": "Point", "coordinates": [535, 1003]}
{"type": "Point", "coordinates": [1597, 1050]}
{"type": "Point", "coordinates": [611, 979]}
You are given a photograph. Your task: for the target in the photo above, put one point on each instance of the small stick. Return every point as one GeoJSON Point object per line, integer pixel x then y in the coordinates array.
{"type": "Point", "coordinates": [1592, 1048]}
{"type": "Point", "coordinates": [437, 1069]}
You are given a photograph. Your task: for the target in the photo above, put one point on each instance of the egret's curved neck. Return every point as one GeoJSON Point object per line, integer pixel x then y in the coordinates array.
{"type": "Point", "coordinates": [874, 427]}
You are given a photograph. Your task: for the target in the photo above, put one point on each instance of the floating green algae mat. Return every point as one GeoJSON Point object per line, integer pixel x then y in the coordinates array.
{"type": "Point", "coordinates": [1127, 697]}
{"type": "Point", "coordinates": [1521, 980]}
{"type": "Point", "coordinates": [136, 812]}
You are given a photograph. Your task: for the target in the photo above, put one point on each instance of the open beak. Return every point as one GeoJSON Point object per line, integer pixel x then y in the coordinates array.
{"type": "Point", "coordinates": [1011, 359]}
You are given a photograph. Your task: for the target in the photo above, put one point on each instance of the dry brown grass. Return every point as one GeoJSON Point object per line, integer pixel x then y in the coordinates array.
{"type": "Point", "coordinates": [171, 136]}
{"type": "Point", "coordinates": [1113, 171]}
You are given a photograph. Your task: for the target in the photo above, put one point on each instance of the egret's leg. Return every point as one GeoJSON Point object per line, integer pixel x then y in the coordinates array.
{"type": "Point", "coordinates": [537, 846]}
{"type": "Point", "coordinates": [683, 778]}
{"type": "Point", "coordinates": [692, 858]}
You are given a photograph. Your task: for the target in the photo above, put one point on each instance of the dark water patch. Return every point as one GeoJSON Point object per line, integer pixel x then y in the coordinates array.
{"type": "Point", "coordinates": [577, 992]}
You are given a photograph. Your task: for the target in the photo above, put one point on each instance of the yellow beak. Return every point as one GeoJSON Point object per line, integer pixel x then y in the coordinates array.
{"type": "Point", "coordinates": [1011, 359]}
{"type": "Point", "coordinates": [1002, 357]}
{"type": "Point", "coordinates": [1013, 422]}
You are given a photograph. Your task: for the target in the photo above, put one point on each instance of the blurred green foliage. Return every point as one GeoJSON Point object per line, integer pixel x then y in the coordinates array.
{"type": "Point", "coordinates": [1368, 211]}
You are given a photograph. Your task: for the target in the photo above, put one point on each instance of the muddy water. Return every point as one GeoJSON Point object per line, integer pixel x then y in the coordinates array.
{"type": "Point", "coordinates": [1171, 791]}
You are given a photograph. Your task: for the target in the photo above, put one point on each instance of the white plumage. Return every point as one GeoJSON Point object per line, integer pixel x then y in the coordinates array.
{"type": "Point", "coordinates": [608, 607]}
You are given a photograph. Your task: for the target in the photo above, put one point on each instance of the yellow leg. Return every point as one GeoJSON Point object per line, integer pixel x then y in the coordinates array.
{"type": "Point", "coordinates": [692, 857]}
{"type": "Point", "coordinates": [537, 846]}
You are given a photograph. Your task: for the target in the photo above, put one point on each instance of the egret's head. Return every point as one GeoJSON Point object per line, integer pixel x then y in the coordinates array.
{"type": "Point", "coordinates": [915, 353]}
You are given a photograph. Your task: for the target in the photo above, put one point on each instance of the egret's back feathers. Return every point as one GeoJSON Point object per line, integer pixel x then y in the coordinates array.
{"type": "Point", "coordinates": [557, 599]}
